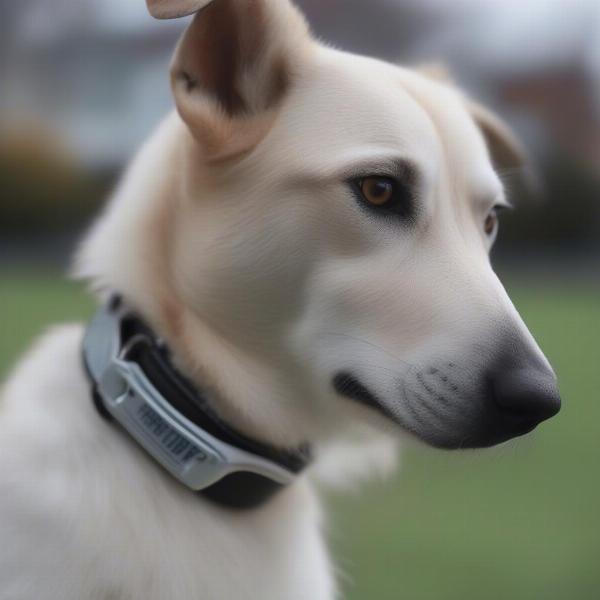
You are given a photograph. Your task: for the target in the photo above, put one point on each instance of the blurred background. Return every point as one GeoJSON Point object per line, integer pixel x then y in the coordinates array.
{"type": "Point", "coordinates": [83, 82]}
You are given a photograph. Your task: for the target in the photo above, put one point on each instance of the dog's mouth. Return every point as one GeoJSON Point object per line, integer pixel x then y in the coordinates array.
{"type": "Point", "coordinates": [349, 386]}
{"type": "Point", "coordinates": [346, 384]}
{"type": "Point", "coordinates": [452, 422]}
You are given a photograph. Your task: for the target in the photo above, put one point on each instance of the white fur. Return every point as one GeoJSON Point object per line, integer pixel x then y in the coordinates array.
{"type": "Point", "coordinates": [86, 514]}
{"type": "Point", "coordinates": [266, 278]}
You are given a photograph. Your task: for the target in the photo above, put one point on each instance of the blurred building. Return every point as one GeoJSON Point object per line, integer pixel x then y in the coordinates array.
{"type": "Point", "coordinates": [538, 61]}
{"type": "Point", "coordinates": [92, 73]}
{"type": "Point", "coordinates": [96, 72]}
{"type": "Point", "coordinates": [92, 76]}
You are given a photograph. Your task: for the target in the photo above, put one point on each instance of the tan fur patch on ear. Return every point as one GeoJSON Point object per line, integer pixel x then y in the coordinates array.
{"type": "Point", "coordinates": [506, 150]}
{"type": "Point", "coordinates": [231, 69]}
{"type": "Point", "coordinates": [211, 55]}
{"type": "Point", "coordinates": [220, 137]}
{"type": "Point", "coordinates": [280, 80]}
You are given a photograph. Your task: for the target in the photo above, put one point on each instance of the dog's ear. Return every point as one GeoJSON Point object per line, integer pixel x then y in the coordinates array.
{"type": "Point", "coordinates": [506, 151]}
{"type": "Point", "coordinates": [232, 68]}
{"type": "Point", "coordinates": [173, 9]}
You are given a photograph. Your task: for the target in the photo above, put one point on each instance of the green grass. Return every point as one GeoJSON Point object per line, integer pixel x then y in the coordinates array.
{"type": "Point", "coordinates": [30, 301]}
{"type": "Point", "coordinates": [519, 522]}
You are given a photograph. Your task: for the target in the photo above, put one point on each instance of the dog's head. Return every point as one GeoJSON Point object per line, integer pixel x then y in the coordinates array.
{"type": "Point", "coordinates": [331, 226]}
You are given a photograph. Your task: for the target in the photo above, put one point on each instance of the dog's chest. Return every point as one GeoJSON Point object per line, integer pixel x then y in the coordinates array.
{"type": "Point", "coordinates": [85, 514]}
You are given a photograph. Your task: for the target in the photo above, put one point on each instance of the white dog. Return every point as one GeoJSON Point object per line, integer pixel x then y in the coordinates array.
{"type": "Point", "coordinates": [308, 236]}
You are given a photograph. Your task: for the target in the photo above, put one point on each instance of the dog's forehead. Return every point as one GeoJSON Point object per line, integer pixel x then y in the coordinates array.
{"type": "Point", "coordinates": [342, 108]}
{"type": "Point", "coordinates": [346, 108]}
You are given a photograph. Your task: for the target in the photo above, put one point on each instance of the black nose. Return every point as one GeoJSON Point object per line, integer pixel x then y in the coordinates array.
{"type": "Point", "coordinates": [529, 395]}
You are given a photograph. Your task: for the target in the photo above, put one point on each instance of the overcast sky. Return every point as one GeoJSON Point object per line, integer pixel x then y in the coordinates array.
{"type": "Point", "coordinates": [507, 34]}
{"type": "Point", "coordinates": [514, 34]}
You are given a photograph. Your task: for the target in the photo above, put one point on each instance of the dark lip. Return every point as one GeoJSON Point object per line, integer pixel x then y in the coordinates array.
{"type": "Point", "coordinates": [495, 429]}
{"type": "Point", "coordinates": [346, 384]}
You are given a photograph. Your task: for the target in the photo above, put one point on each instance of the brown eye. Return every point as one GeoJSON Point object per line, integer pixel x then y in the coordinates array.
{"type": "Point", "coordinates": [377, 190]}
{"type": "Point", "coordinates": [491, 223]}
{"type": "Point", "coordinates": [386, 197]}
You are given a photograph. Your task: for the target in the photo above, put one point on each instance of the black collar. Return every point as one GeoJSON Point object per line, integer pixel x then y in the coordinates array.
{"type": "Point", "coordinates": [240, 489]}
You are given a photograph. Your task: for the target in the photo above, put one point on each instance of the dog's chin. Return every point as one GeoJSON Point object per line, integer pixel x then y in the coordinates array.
{"type": "Point", "coordinates": [482, 435]}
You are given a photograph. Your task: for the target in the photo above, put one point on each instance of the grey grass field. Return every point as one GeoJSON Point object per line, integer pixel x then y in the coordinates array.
{"type": "Point", "coordinates": [518, 522]}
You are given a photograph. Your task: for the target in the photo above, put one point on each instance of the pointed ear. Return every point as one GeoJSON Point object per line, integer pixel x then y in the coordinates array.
{"type": "Point", "coordinates": [507, 152]}
{"type": "Point", "coordinates": [232, 68]}
{"type": "Point", "coordinates": [173, 9]}
{"type": "Point", "coordinates": [509, 156]}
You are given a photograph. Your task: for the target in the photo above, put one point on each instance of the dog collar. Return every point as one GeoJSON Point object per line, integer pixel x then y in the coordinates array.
{"type": "Point", "coordinates": [134, 383]}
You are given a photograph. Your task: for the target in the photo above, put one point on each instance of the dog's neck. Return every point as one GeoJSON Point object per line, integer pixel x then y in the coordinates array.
{"type": "Point", "coordinates": [133, 381]}
{"type": "Point", "coordinates": [130, 251]}
{"type": "Point", "coordinates": [249, 390]}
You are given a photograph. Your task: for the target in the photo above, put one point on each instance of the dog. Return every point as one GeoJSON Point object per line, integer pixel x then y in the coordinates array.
{"type": "Point", "coordinates": [308, 235]}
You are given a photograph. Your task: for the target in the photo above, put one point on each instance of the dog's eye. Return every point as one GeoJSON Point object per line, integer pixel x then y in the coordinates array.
{"type": "Point", "coordinates": [490, 225]}
{"type": "Point", "coordinates": [383, 194]}
{"type": "Point", "coordinates": [377, 190]}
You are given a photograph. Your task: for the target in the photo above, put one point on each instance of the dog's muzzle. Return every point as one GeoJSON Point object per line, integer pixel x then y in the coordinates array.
{"type": "Point", "coordinates": [447, 408]}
